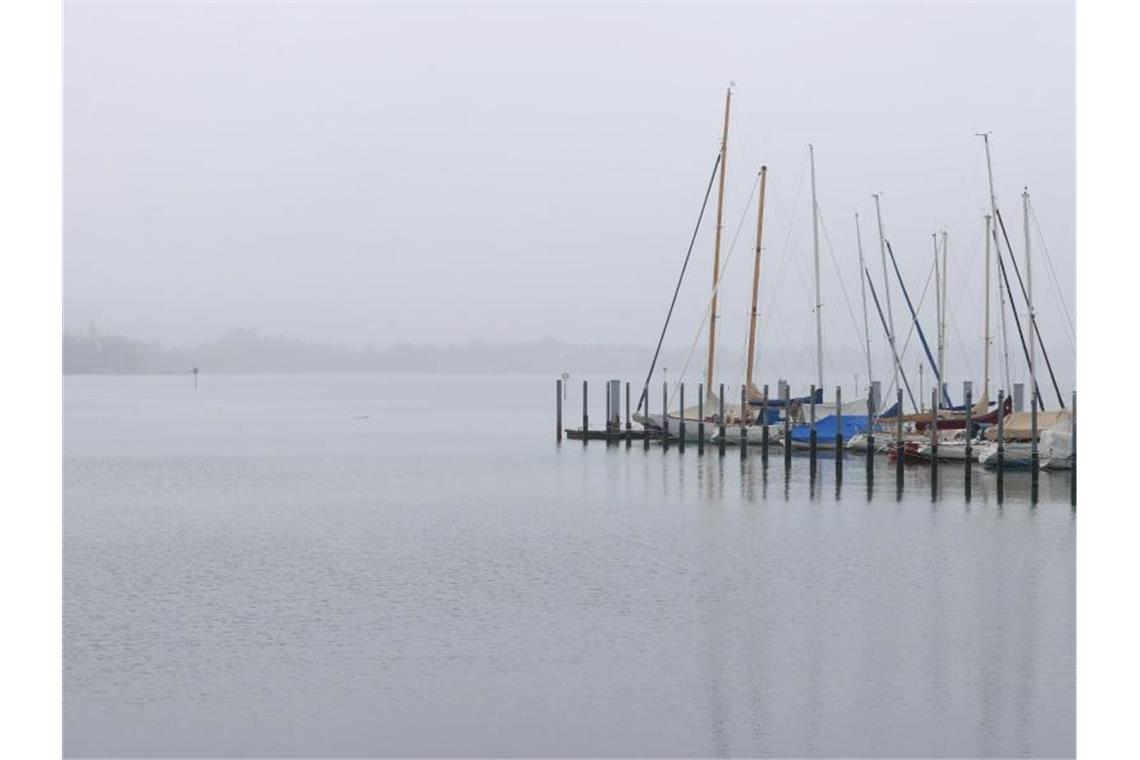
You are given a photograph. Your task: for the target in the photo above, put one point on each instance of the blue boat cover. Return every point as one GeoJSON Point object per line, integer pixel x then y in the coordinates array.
{"type": "Point", "coordinates": [827, 427]}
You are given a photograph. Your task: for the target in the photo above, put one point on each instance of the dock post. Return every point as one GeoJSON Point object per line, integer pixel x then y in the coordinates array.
{"type": "Point", "coordinates": [665, 415]}
{"type": "Point", "coordinates": [1001, 444]}
{"type": "Point", "coordinates": [871, 396]}
{"type": "Point", "coordinates": [787, 427]}
{"type": "Point", "coordinates": [743, 422]}
{"type": "Point", "coordinates": [812, 440]}
{"type": "Point", "coordinates": [628, 424]}
{"type": "Point", "coordinates": [720, 438]}
{"type": "Point", "coordinates": [645, 425]}
{"type": "Point", "coordinates": [934, 425]}
{"type": "Point", "coordinates": [839, 427]}
{"type": "Point", "coordinates": [934, 442]}
{"type": "Point", "coordinates": [609, 405]}
{"type": "Point", "coordinates": [899, 456]}
{"type": "Point", "coordinates": [968, 395]}
{"type": "Point", "coordinates": [764, 430]}
{"type": "Point", "coordinates": [701, 414]}
{"type": "Point", "coordinates": [681, 424]}
{"type": "Point", "coordinates": [558, 410]}
{"type": "Point", "coordinates": [1073, 474]}
{"type": "Point", "coordinates": [1033, 451]}
{"type": "Point", "coordinates": [585, 414]}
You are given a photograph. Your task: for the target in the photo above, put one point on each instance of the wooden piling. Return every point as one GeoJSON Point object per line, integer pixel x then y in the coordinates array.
{"type": "Point", "coordinates": [1033, 461]}
{"type": "Point", "coordinates": [934, 396]}
{"type": "Point", "coordinates": [628, 423]}
{"type": "Point", "coordinates": [787, 428]}
{"type": "Point", "coordinates": [811, 432]}
{"type": "Point", "coordinates": [899, 442]}
{"type": "Point", "coordinates": [665, 415]}
{"type": "Point", "coordinates": [871, 395]}
{"type": "Point", "coordinates": [764, 430]}
{"type": "Point", "coordinates": [681, 424]}
{"type": "Point", "coordinates": [608, 427]}
{"type": "Point", "coordinates": [743, 422]}
{"type": "Point", "coordinates": [585, 413]}
{"type": "Point", "coordinates": [838, 427]}
{"type": "Point", "coordinates": [1001, 445]}
{"type": "Point", "coordinates": [720, 438]}
{"type": "Point", "coordinates": [701, 415]}
{"type": "Point", "coordinates": [558, 410]}
{"type": "Point", "coordinates": [934, 427]}
{"type": "Point", "coordinates": [645, 425]}
{"type": "Point", "coordinates": [1073, 454]}
{"type": "Point", "coordinates": [968, 395]}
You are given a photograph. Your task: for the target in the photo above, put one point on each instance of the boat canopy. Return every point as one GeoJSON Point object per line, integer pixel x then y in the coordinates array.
{"type": "Point", "coordinates": [1018, 426]}
{"type": "Point", "coordinates": [827, 428]}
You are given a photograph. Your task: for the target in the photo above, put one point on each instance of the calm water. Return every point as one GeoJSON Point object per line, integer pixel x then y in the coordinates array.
{"type": "Point", "coordinates": [408, 565]}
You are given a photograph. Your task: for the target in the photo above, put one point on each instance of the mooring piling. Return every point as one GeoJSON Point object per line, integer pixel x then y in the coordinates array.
{"type": "Point", "coordinates": [764, 429]}
{"type": "Point", "coordinates": [899, 456]}
{"type": "Point", "coordinates": [720, 438]}
{"type": "Point", "coordinates": [812, 439]}
{"type": "Point", "coordinates": [968, 395]}
{"type": "Point", "coordinates": [585, 413]}
{"type": "Point", "coordinates": [701, 417]}
{"type": "Point", "coordinates": [628, 423]}
{"type": "Point", "coordinates": [934, 430]}
{"type": "Point", "coordinates": [1073, 454]}
{"type": "Point", "coordinates": [787, 442]}
{"type": "Point", "coordinates": [1001, 446]}
{"type": "Point", "coordinates": [743, 422]}
{"type": "Point", "coordinates": [558, 411]}
{"type": "Point", "coordinates": [839, 427]}
{"type": "Point", "coordinates": [665, 415]}
{"type": "Point", "coordinates": [1033, 452]}
{"type": "Point", "coordinates": [681, 424]}
{"type": "Point", "coordinates": [872, 396]}
{"type": "Point", "coordinates": [607, 430]}
{"type": "Point", "coordinates": [645, 425]}
{"type": "Point", "coordinates": [934, 396]}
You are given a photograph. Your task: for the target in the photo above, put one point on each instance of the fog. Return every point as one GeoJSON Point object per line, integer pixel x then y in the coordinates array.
{"type": "Point", "coordinates": [377, 173]}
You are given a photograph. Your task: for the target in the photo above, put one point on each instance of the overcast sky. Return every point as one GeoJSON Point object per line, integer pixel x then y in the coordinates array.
{"type": "Point", "coordinates": [434, 174]}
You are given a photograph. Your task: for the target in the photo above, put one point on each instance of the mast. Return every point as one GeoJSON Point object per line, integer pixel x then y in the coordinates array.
{"type": "Point", "coordinates": [1001, 293]}
{"type": "Point", "coordinates": [883, 321]}
{"type": "Point", "coordinates": [863, 293]}
{"type": "Point", "coordinates": [987, 339]}
{"type": "Point", "coordinates": [815, 253]}
{"type": "Point", "coordinates": [716, 243]}
{"type": "Point", "coordinates": [756, 280]}
{"type": "Point", "coordinates": [913, 314]}
{"type": "Point", "coordinates": [1029, 297]}
{"type": "Point", "coordinates": [937, 313]}
{"type": "Point", "coordinates": [942, 333]}
{"type": "Point", "coordinates": [887, 292]}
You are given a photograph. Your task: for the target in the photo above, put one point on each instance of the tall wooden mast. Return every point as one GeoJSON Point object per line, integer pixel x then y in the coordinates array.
{"type": "Point", "coordinates": [756, 280]}
{"type": "Point", "coordinates": [716, 244]}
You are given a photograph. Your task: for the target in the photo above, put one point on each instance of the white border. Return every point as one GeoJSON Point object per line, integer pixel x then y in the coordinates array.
{"type": "Point", "coordinates": [1107, 538]}
{"type": "Point", "coordinates": [30, 314]}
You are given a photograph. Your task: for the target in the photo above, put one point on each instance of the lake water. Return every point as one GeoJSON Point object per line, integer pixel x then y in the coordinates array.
{"type": "Point", "coordinates": [393, 565]}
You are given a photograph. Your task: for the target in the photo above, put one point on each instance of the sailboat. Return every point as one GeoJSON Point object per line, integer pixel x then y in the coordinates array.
{"type": "Point", "coordinates": [690, 419]}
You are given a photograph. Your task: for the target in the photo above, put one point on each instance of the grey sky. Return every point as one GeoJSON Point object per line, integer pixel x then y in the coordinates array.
{"type": "Point", "coordinates": [434, 174]}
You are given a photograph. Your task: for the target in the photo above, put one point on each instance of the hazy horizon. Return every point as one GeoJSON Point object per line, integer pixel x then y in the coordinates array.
{"type": "Point", "coordinates": [367, 173]}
